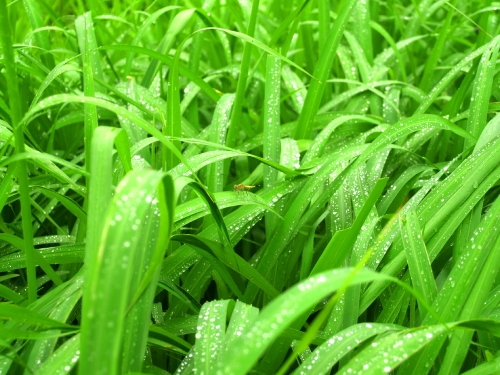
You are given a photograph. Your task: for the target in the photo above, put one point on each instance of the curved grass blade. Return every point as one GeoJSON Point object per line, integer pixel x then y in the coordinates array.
{"type": "Point", "coordinates": [112, 278]}
{"type": "Point", "coordinates": [210, 336]}
{"type": "Point", "coordinates": [120, 111]}
{"type": "Point", "coordinates": [218, 131]}
{"type": "Point", "coordinates": [142, 30]}
{"type": "Point", "coordinates": [42, 36]}
{"type": "Point", "coordinates": [490, 132]}
{"type": "Point", "coordinates": [206, 251]}
{"type": "Point", "coordinates": [167, 60]}
{"type": "Point", "coordinates": [324, 357]}
{"type": "Point", "coordinates": [284, 310]}
{"type": "Point", "coordinates": [260, 45]}
{"type": "Point", "coordinates": [384, 354]}
{"type": "Point", "coordinates": [176, 26]}
{"type": "Point", "coordinates": [450, 76]}
{"type": "Point", "coordinates": [233, 261]}
{"type": "Point", "coordinates": [25, 316]}
{"type": "Point", "coordinates": [62, 361]}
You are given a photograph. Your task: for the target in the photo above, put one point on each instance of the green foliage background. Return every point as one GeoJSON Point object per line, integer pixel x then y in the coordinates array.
{"type": "Point", "coordinates": [261, 187]}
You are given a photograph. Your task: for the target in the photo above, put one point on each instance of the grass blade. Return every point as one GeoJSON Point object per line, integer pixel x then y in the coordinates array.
{"type": "Point", "coordinates": [22, 170]}
{"type": "Point", "coordinates": [315, 92]}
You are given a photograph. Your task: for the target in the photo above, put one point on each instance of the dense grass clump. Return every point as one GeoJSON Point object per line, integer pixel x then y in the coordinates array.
{"type": "Point", "coordinates": [249, 187]}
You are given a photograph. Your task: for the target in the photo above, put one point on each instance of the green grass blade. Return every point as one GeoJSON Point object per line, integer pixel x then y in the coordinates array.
{"type": "Point", "coordinates": [284, 310]}
{"type": "Point", "coordinates": [210, 335]}
{"type": "Point", "coordinates": [417, 257]}
{"type": "Point", "coordinates": [41, 37]}
{"type": "Point", "coordinates": [457, 349]}
{"type": "Point", "coordinates": [207, 252]}
{"type": "Point", "coordinates": [271, 120]}
{"type": "Point", "coordinates": [87, 43]}
{"type": "Point", "coordinates": [450, 76]}
{"type": "Point", "coordinates": [142, 30]}
{"type": "Point", "coordinates": [491, 131]}
{"type": "Point", "coordinates": [342, 242]}
{"type": "Point", "coordinates": [432, 61]}
{"type": "Point", "coordinates": [481, 91]}
{"type": "Point", "coordinates": [167, 60]}
{"type": "Point", "coordinates": [339, 345]}
{"type": "Point", "coordinates": [22, 170]}
{"type": "Point", "coordinates": [235, 261]}
{"type": "Point", "coordinates": [316, 88]}
{"type": "Point", "coordinates": [485, 368]}
{"type": "Point", "coordinates": [295, 215]}
{"type": "Point", "coordinates": [23, 315]}
{"type": "Point", "coordinates": [381, 357]}
{"type": "Point", "coordinates": [218, 134]}
{"type": "Point", "coordinates": [63, 360]}
{"type": "Point", "coordinates": [234, 124]}
{"type": "Point", "coordinates": [111, 277]}
{"type": "Point", "coordinates": [175, 27]}
{"type": "Point", "coordinates": [271, 124]}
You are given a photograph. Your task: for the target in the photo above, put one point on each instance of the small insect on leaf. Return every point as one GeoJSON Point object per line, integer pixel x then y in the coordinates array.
{"type": "Point", "coordinates": [243, 187]}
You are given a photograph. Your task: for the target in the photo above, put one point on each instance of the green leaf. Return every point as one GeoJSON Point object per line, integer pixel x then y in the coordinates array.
{"type": "Point", "coordinates": [417, 257]}
{"type": "Point", "coordinates": [321, 70]}
{"type": "Point", "coordinates": [343, 241]}
{"type": "Point", "coordinates": [130, 235]}
{"type": "Point", "coordinates": [25, 316]}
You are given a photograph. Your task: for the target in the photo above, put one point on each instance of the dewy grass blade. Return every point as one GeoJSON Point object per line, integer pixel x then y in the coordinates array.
{"type": "Point", "coordinates": [22, 169]}
{"type": "Point", "coordinates": [262, 46]}
{"type": "Point", "coordinates": [284, 310]}
{"type": "Point", "coordinates": [463, 196]}
{"type": "Point", "coordinates": [387, 353]}
{"type": "Point", "coordinates": [112, 277]}
{"type": "Point", "coordinates": [142, 30]}
{"type": "Point", "coordinates": [175, 27]}
{"type": "Point", "coordinates": [326, 355]}
{"type": "Point", "coordinates": [63, 359]}
{"type": "Point", "coordinates": [29, 317]}
{"type": "Point", "coordinates": [340, 246]}
{"type": "Point", "coordinates": [42, 36]}
{"type": "Point", "coordinates": [218, 134]}
{"type": "Point", "coordinates": [100, 189]}
{"type": "Point", "coordinates": [271, 125]}
{"type": "Point", "coordinates": [60, 69]}
{"type": "Point", "coordinates": [463, 287]}
{"type": "Point", "coordinates": [86, 35]}
{"type": "Point", "coordinates": [417, 257]}
{"type": "Point", "coordinates": [145, 282]}
{"type": "Point", "coordinates": [58, 99]}
{"type": "Point", "coordinates": [451, 75]}
{"type": "Point", "coordinates": [432, 61]}
{"type": "Point", "coordinates": [474, 302]}
{"type": "Point", "coordinates": [167, 60]}
{"type": "Point", "coordinates": [87, 43]}
{"type": "Point", "coordinates": [210, 335]}
{"type": "Point", "coordinates": [271, 120]}
{"type": "Point", "coordinates": [234, 125]}
{"type": "Point", "coordinates": [481, 91]}
{"type": "Point", "coordinates": [323, 66]}
{"type": "Point", "coordinates": [235, 262]}
{"type": "Point", "coordinates": [361, 17]}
